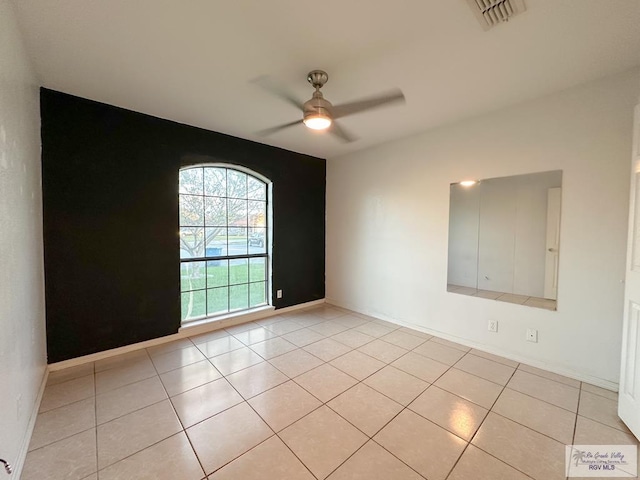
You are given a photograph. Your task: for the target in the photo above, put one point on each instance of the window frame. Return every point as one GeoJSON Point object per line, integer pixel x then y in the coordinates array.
{"type": "Point", "coordinates": [267, 254]}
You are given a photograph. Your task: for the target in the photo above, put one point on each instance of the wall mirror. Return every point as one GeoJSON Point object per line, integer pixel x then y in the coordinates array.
{"type": "Point", "coordinates": [504, 238]}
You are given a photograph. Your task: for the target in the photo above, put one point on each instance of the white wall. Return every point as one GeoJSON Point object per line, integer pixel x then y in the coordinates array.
{"type": "Point", "coordinates": [387, 225]}
{"type": "Point", "coordinates": [22, 325]}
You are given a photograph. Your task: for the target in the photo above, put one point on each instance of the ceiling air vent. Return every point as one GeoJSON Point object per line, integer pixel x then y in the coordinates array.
{"type": "Point", "coordinates": [493, 12]}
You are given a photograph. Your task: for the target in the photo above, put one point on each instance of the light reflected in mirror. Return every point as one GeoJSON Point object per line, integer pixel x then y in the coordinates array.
{"type": "Point", "coordinates": [504, 238]}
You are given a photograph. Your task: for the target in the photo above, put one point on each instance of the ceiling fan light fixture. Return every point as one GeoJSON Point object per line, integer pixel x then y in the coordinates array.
{"type": "Point", "coordinates": [318, 113]}
{"type": "Point", "coordinates": [317, 121]}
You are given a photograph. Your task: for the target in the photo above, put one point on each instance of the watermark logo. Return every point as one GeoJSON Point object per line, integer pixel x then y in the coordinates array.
{"type": "Point", "coordinates": [615, 461]}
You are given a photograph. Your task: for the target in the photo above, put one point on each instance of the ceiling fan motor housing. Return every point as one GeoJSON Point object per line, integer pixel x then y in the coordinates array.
{"type": "Point", "coordinates": [317, 106]}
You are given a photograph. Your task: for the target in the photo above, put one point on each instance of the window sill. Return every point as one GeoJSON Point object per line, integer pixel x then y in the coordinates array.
{"type": "Point", "coordinates": [204, 324]}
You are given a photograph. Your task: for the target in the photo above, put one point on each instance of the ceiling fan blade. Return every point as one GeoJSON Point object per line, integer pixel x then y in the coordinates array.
{"type": "Point", "coordinates": [272, 130]}
{"type": "Point", "coordinates": [341, 133]}
{"type": "Point", "coordinates": [277, 89]}
{"type": "Point", "coordinates": [393, 96]}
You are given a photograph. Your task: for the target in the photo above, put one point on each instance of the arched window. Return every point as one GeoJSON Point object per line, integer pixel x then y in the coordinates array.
{"type": "Point", "coordinates": [224, 255]}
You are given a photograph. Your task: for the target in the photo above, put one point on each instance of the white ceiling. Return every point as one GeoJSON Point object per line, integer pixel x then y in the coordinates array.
{"type": "Point", "coordinates": [192, 60]}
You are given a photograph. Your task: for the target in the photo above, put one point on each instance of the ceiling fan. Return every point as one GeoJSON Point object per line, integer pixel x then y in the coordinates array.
{"type": "Point", "coordinates": [318, 113]}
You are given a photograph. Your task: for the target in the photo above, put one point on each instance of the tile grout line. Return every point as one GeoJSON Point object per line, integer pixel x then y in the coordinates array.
{"type": "Point", "coordinates": [276, 434]}
{"type": "Point", "coordinates": [502, 461]}
{"type": "Point", "coordinates": [265, 422]}
{"type": "Point", "coordinates": [206, 475]}
{"type": "Point", "coordinates": [598, 394]}
{"type": "Point", "coordinates": [324, 361]}
{"type": "Point", "coordinates": [386, 364]}
{"type": "Point", "coordinates": [629, 433]}
{"type": "Point", "coordinates": [97, 425]}
{"type": "Point", "coordinates": [140, 451]}
{"type": "Point", "coordinates": [370, 375]}
{"type": "Point", "coordinates": [370, 438]}
{"type": "Point", "coordinates": [71, 380]}
{"type": "Point", "coordinates": [326, 404]}
{"type": "Point", "coordinates": [479, 426]}
{"type": "Point", "coordinates": [478, 429]}
{"type": "Point", "coordinates": [575, 426]}
{"type": "Point", "coordinates": [184, 430]}
{"type": "Point", "coordinates": [95, 396]}
{"type": "Point", "coordinates": [73, 434]}
{"type": "Point", "coordinates": [404, 407]}
{"type": "Point", "coordinates": [251, 406]}
{"type": "Point", "coordinates": [525, 426]}
{"type": "Point", "coordinates": [541, 400]}
{"type": "Point", "coordinates": [397, 415]}
{"type": "Point", "coordinates": [154, 443]}
{"type": "Point", "coordinates": [95, 413]}
{"type": "Point", "coordinates": [547, 378]}
{"type": "Point", "coordinates": [476, 353]}
{"type": "Point", "coordinates": [303, 347]}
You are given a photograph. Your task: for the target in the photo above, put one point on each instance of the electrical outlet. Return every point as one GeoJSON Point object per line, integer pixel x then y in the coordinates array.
{"type": "Point", "coordinates": [493, 326]}
{"type": "Point", "coordinates": [532, 335]}
{"type": "Point", "coordinates": [279, 293]}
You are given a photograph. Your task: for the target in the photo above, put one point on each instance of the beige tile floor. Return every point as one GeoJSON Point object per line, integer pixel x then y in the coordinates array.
{"type": "Point", "coordinates": [320, 393]}
{"type": "Point", "coordinates": [536, 302]}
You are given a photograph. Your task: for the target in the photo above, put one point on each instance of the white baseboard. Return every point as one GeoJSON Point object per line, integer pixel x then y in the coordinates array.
{"type": "Point", "coordinates": [301, 306]}
{"type": "Point", "coordinates": [18, 465]}
{"type": "Point", "coordinates": [209, 325]}
{"type": "Point", "coordinates": [599, 382]}
{"type": "Point", "coordinates": [195, 328]}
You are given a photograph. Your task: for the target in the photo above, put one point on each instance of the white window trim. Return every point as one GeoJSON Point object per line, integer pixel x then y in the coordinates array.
{"type": "Point", "coordinates": [213, 318]}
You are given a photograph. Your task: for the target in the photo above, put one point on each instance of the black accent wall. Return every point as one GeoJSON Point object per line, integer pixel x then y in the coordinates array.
{"type": "Point", "coordinates": [110, 195]}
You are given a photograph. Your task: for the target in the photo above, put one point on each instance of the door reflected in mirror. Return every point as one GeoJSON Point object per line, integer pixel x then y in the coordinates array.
{"type": "Point", "coordinates": [504, 238]}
